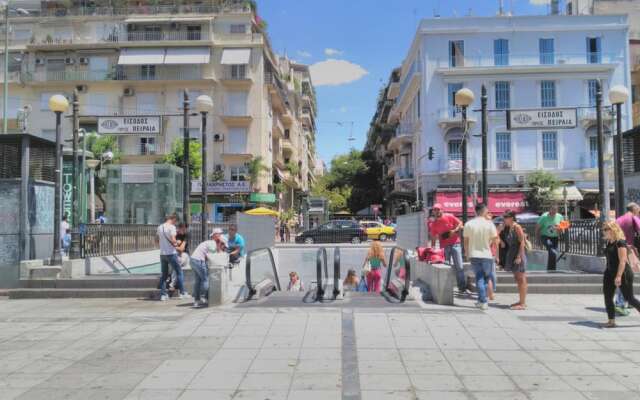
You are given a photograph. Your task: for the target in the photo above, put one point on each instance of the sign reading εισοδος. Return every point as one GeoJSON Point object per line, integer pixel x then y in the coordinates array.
{"type": "Point", "coordinates": [130, 125]}
{"type": "Point", "coordinates": [544, 118]}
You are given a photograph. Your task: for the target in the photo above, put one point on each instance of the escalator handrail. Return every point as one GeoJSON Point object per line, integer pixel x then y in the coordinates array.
{"type": "Point", "coordinates": [252, 290]}
{"type": "Point", "coordinates": [336, 272]}
{"type": "Point", "coordinates": [407, 270]}
{"type": "Point", "coordinates": [321, 256]}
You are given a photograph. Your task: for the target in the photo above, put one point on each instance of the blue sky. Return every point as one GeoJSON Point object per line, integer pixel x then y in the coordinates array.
{"type": "Point", "coordinates": [358, 40]}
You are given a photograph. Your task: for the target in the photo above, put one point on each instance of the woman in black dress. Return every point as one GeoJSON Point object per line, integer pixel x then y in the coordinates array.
{"type": "Point", "coordinates": [618, 272]}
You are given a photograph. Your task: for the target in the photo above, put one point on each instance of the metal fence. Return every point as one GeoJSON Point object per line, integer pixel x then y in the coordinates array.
{"type": "Point", "coordinates": [582, 238]}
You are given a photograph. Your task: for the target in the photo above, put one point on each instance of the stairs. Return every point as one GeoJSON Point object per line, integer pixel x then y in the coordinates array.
{"type": "Point", "coordinates": [555, 283]}
{"type": "Point", "coordinates": [112, 286]}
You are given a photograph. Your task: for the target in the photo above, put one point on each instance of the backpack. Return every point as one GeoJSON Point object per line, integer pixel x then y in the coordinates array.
{"type": "Point", "coordinates": [430, 255]}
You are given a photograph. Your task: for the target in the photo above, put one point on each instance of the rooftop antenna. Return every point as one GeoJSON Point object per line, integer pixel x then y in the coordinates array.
{"type": "Point", "coordinates": [501, 7]}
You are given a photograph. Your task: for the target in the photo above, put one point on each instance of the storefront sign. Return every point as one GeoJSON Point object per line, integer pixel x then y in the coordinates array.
{"type": "Point", "coordinates": [262, 197]}
{"type": "Point", "coordinates": [545, 118]}
{"type": "Point", "coordinates": [138, 173]}
{"type": "Point", "coordinates": [67, 191]}
{"type": "Point", "coordinates": [129, 125]}
{"type": "Point", "coordinates": [499, 202]}
{"type": "Point", "coordinates": [222, 187]}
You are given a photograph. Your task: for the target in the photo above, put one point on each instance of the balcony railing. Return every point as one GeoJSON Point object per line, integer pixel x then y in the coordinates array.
{"type": "Point", "coordinates": [530, 59]}
{"type": "Point", "coordinates": [404, 173]}
{"type": "Point", "coordinates": [157, 36]}
{"type": "Point", "coordinates": [415, 68]}
{"type": "Point", "coordinates": [408, 128]}
{"type": "Point", "coordinates": [127, 74]}
{"type": "Point", "coordinates": [140, 10]}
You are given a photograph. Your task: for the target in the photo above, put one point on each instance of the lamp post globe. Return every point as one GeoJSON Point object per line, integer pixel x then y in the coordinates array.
{"type": "Point", "coordinates": [618, 94]}
{"type": "Point", "coordinates": [204, 104]}
{"type": "Point", "coordinates": [58, 103]}
{"type": "Point", "coordinates": [464, 97]}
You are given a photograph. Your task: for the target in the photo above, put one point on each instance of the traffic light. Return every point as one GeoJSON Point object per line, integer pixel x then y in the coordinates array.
{"type": "Point", "coordinates": [430, 153]}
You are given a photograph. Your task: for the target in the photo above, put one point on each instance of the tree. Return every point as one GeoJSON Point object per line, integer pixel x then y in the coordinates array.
{"type": "Point", "coordinates": [256, 168]}
{"type": "Point", "coordinates": [100, 145]}
{"type": "Point", "coordinates": [175, 156]}
{"type": "Point", "coordinates": [542, 185]}
{"type": "Point", "coordinates": [345, 168]}
{"type": "Point", "coordinates": [367, 184]}
{"type": "Point", "coordinates": [337, 197]}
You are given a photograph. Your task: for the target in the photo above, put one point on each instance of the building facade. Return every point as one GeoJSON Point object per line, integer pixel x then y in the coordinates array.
{"type": "Point", "coordinates": [137, 58]}
{"type": "Point", "coordinates": [528, 62]}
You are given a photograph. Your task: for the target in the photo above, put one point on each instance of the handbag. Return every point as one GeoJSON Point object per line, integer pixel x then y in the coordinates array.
{"type": "Point", "coordinates": [366, 267]}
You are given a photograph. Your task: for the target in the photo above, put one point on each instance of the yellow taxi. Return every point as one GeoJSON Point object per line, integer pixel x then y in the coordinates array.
{"type": "Point", "coordinates": [378, 231]}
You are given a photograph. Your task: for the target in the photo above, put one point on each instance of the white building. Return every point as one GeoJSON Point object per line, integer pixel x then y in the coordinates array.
{"type": "Point", "coordinates": [525, 62]}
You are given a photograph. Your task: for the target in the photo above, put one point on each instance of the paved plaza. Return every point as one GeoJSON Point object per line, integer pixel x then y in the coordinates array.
{"type": "Point", "coordinates": [135, 349]}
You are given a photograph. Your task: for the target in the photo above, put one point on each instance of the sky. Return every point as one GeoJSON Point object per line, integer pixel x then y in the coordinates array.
{"type": "Point", "coordinates": [352, 47]}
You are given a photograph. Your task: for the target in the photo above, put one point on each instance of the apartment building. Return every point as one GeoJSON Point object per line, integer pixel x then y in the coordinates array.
{"type": "Point", "coordinates": [137, 58]}
{"type": "Point", "coordinates": [525, 62]}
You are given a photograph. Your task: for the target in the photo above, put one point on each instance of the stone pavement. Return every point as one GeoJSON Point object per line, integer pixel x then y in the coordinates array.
{"type": "Point", "coordinates": [135, 349]}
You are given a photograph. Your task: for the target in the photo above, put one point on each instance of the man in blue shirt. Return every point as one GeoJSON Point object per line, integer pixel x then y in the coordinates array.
{"type": "Point", "coordinates": [236, 245]}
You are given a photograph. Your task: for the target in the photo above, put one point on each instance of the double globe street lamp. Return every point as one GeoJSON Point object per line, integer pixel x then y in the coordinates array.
{"type": "Point", "coordinates": [58, 104]}
{"type": "Point", "coordinates": [204, 105]}
{"type": "Point", "coordinates": [463, 99]}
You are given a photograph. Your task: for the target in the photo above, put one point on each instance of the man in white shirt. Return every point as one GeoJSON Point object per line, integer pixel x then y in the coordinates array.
{"type": "Point", "coordinates": [64, 227]}
{"type": "Point", "coordinates": [169, 255]}
{"type": "Point", "coordinates": [479, 235]}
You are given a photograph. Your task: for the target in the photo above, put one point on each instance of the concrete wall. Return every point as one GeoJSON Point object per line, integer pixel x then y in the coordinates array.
{"type": "Point", "coordinates": [412, 231]}
{"type": "Point", "coordinates": [258, 231]}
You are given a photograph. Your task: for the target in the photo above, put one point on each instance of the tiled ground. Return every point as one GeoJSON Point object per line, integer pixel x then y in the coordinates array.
{"type": "Point", "coordinates": [129, 349]}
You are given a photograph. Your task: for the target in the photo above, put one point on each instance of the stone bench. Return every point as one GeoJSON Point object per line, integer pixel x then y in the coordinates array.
{"type": "Point", "coordinates": [440, 279]}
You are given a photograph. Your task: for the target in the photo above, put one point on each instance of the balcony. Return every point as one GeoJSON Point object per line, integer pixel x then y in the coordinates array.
{"type": "Point", "coordinates": [404, 134]}
{"type": "Point", "coordinates": [587, 116]}
{"type": "Point", "coordinates": [232, 116]}
{"type": "Point", "coordinates": [450, 117]}
{"type": "Point", "coordinates": [450, 165]}
{"type": "Point", "coordinates": [237, 77]}
{"type": "Point", "coordinates": [404, 181]}
{"type": "Point", "coordinates": [403, 174]}
{"type": "Point", "coordinates": [239, 38]}
{"type": "Point", "coordinates": [159, 73]}
{"type": "Point", "coordinates": [529, 62]}
{"type": "Point", "coordinates": [169, 10]}
{"type": "Point", "coordinates": [287, 146]}
{"type": "Point", "coordinates": [278, 159]}
{"type": "Point", "coordinates": [278, 127]}
{"type": "Point", "coordinates": [307, 116]}
{"type": "Point", "coordinates": [279, 97]}
{"type": "Point", "coordinates": [161, 36]}
{"type": "Point", "coordinates": [394, 90]}
{"type": "Point", "coordinates": [410, 81]}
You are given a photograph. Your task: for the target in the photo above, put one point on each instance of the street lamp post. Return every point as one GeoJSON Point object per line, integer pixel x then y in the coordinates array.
{"type": "Point", "coordinates": [602, 185]}
{"type": "Point", "coordinates": [92, 164]}
{"type": "Point", "coordinates": [58, 104]}
{"type": "Point", "coordinates": [464, 98]}
{"type": "Point", "coordinates": [204, 104]}
{"type": "Point", "coordinates": [485, 130]}
{"type": "Point", "coordinates": [186, 186]}
{"type": "Point", "coordinates": [618, 95]}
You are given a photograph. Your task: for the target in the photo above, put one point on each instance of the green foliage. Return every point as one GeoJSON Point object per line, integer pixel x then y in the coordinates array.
{"type": "Point", "coordinates": [216, 176]}
{"type": "Point", "coordinates": [175, 156]}
{"type": "Point", "coordinates": [542, 184]}
{"type": "Point", "coordinates": [293, 168]}
{"type": "Point", "coordinates": [337, 197]}
{"type": "Point", "coordinates": [255, 169]}
{"type": "Point", "coordinates": [345, 168]}
{"type": "Point", "coordinates": [279, 187]}
{"type": "Point", "coordinates": [367, 184]}
{"type": "Point", "coordinates": [287, 215]}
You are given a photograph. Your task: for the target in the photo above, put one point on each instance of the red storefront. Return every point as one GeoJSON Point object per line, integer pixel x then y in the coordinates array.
{"type": "Point", "coordinates": [499, 202]}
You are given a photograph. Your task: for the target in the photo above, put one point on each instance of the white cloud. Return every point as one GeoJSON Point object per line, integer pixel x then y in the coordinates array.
{"type": "Point", "coordinates": [539, 2]}
{"type": "Point", "coordinates": [332, 72]}
{"type": "Point", "coordinates": [304, 53]}
{"type": "Point", "coordinates": [329, 52]}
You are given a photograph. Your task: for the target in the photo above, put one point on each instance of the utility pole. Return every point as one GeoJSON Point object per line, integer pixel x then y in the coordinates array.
{"type": "Point", "coordinates": [75, 108]}
{"type": "Point", "coordinates": [464, 164]}
{"type": "Point", "coordinates": [186, 187]}
{"type": "Point", "coordinates": [602, 183]}
{"type": "Point", "coordinates": [5, 86]}
{"type": "Point", "coordinates": [485, 129]}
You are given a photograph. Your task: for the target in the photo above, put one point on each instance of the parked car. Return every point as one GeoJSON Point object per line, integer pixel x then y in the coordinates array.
{"type": "Point", "coordinates": [378, 231]}
{"type": "Point", "coordinates": [334, 232]}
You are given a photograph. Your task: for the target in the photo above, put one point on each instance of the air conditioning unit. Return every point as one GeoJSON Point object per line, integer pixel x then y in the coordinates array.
{"type": "Point", "coordinates": [81, 88]}
{"type": "Point", "coordinates": [520, 178]}
{"type": "Point", "coordinates": [69, 61]}
{"type": "Point", "coordinates": [129, 92]}
{"type": "Point", "coordinates": [40, 61]}
{"type": "Point", "coordinates": [505, 164]}
{"type": "Point", "coordinates": [83, 60]}
{"type": "Point", "coordinates": [218, 137]}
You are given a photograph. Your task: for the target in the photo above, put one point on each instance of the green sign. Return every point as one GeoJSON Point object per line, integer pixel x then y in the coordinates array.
{"type": "Point", "coordinates": [196, 208]}
{"type": "Point", "coordinates": [262, 197]}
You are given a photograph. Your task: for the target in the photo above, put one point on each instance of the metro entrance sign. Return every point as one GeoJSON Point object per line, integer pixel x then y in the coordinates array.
{"type": "Point", "coordinates": [544, 118]}
{"type": "Point", "coordinates": [131, 125]}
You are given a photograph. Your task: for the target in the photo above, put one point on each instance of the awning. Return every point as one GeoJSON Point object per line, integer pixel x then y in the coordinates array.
{"type": "Point", "coordinates": [235, 56]}
{"type": "Point", "coordinates": [499, 202]}
{"type": "Point", "coordinates": [573, 194]}
{"type": "Point", "coordinates": [147, 56]}
{"type": "Point", "coordinates": [188, 55]}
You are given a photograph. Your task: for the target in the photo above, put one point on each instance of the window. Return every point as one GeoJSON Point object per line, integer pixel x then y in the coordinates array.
{"type": "Point", "coordinates": [147, 145]}
{"type": "Point", "coordinates": [238, 28]}
{"type": "Point", "coordinates": [456, 53]}
{"type": "Point", "coordinates": [238, 71]}
{"type": "Point", "coordinates": [237, 103]}
{"type": "Point", "coordinates": [594, 55]}
{"type": "Point", "coordinates": [147, 72]}
{"type": "Point", "coordinates": [44, 100]}
{"type": "Point", "coordinates": [547, 52]}
{"type": "Point", "coordinates": [593, 152]}
{"type": "Point", "coordinates": [501, 52]}
{"type": "Point", "coordinates": [549, 148]}
{"type": "Point", "coordinates": [455, 149]}
{"type": "Point", "coordinates": [147, 102]}
{"type": "Point", "coordinates": [634, 93]}
{"type": "Point", "coordinates": [503, 146]}
{"type": "Point", "coordinates": [287, 134]}
{"type": "Point", "coordinates": [22, 34]}
{"type": "Point", "coordinates": [237, 143]}
{"type": "Point", "coordinates": [547, 94]}
{"type": "Point", "coordinates": [239, 173]}
{"type": "Point", "coordinates": [96, 104]}
{"type": "Point", "coordinates": [453, 88]}
{"type": "Point", "coordinates": [591, 90]}
{"type": "Point", "coordinates": [503, 95]}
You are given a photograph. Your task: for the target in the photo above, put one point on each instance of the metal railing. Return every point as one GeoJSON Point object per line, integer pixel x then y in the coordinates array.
{"type": "Point", "coordinates": [407, 272]}
{"type": "Point", "coordinates": [321, 260]}
{"type": "Point", "coordinates": [139, 10]}
{"type": "Point", "coordinates": [336, 272]}
{"type": "Point", "coordinates": [250, 287]}
{"type": "Point", "coordinates": [127, 74]}
{"type": "Point", "coordinates": [583, 237]}
{"type": "Point", "coordinates": [144, 36]}
{"type": "Point", "coordinates": [529, 59]}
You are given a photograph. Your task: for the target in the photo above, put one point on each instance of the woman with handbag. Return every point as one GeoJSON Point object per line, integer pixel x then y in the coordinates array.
{"type": "Point", "coordinates": [374, 261]}
{"type": "Point", "coordinates": [618, 273]}
{"type": "Point", "coordinates": [516, 257]}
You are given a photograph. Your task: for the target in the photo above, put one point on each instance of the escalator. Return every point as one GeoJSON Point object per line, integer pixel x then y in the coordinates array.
{"type": "Point", "coordinates": [266, 290]}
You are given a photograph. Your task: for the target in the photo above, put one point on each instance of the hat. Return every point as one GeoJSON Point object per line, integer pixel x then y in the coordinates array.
{"type": "Point", "coordinates": [216, 231]}
{"type": "Point", "coordinates": [437, 206]}
{"type": "Point", "coordinates": [224, 241]}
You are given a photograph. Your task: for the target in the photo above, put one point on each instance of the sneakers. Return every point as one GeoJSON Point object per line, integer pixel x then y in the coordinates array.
{"type": "Point", "coordinates": [621, 311]}
{"type": "Point", "coordinates": [164, 297]}
{"type": "Point", "coordinates": [183, 296]}
{"type": "Point", "coordinates": [482, 306]}
{"type": "Point", "coordinates": [196, 304]}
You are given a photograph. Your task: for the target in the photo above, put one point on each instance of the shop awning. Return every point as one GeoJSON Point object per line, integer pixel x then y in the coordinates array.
{"type": "Point", "coordinates": [147, 56]}
{"type": "Point", "coordinates": [499, 202]}
{"type": "Point", "coordinates": [188, 55]}
{"type": "Point", "coordinates": [235, 56]}
{"type": "Point", "coordinates": [573, 194]}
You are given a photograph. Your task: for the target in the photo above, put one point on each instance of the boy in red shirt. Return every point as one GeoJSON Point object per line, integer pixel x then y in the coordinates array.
{"type": "Point", "coordinates": [446, 229]}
